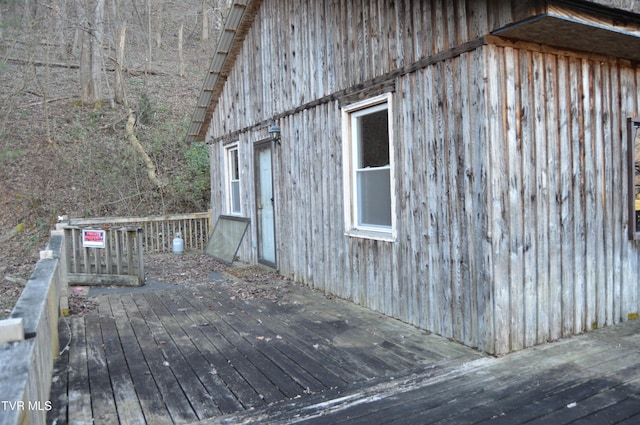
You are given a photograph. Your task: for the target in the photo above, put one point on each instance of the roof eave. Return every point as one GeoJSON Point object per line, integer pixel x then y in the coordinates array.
{"type": "Point", "coordinates": [239, 21]}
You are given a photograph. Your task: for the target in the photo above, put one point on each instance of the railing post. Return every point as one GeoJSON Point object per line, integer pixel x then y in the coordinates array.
{"type": "Point", "coordinates": [140, 233]}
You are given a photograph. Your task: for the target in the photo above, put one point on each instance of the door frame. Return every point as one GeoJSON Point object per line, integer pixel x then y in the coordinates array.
{"type": "Point", "coordinates": [259, 145]}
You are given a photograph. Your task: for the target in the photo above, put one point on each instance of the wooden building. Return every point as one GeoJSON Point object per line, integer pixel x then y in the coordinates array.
{"type": "Point", "coordinates": [460, 165]}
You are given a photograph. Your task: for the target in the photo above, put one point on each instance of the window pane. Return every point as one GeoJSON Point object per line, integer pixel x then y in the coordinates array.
{"type": "Point", "coordinates": [235, 196]}
{"type": "Point", "coordinates": [374, 139]}
{"type": "Point", "coordinates": [234, 181]}
{"type": "Point", "coordinates": [374, 197]}
{"type": "Point", "coordinates": [233, 164]}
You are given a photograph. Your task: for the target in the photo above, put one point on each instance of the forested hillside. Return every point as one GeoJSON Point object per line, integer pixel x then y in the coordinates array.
{"type": "Point", "coordinates": [96, 97]}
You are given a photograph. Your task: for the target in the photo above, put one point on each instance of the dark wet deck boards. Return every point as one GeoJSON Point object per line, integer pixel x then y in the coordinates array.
{"type": "Point", "coordinates": [590, 379]}
{"type": "Point", "coordinates": [202, 351]}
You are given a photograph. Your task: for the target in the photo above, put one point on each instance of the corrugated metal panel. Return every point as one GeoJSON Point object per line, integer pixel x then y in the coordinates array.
{"type": "Point", "coordinates": [204, 99]}
{"type": "Point", "coordinates": [226, 39]}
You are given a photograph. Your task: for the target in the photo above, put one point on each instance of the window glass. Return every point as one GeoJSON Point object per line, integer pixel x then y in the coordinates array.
{"type": "Point", "coordinates": [374, 197]}
{"type": "Point", "coordinates": [374, 139]}
{"type": "Point", "coordinates": [234, 180]}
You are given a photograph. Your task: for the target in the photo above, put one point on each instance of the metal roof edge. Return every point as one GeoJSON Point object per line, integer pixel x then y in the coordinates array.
{"type": "Point", "coordinates": [239, 21]}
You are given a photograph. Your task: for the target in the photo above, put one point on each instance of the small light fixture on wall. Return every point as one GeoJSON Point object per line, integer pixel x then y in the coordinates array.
{"type": "Point", "coordinates": [274, 132]}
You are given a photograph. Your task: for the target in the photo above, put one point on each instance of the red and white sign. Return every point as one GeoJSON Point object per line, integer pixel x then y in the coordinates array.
{"type": "Point", "coordinates": [93, 238]}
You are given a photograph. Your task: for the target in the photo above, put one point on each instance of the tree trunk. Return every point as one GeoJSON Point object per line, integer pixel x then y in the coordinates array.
{"type": "Point", "coordinates": [149, 33]}
{"type": "Point", "coordinates": [87, 88]}
{"type": "Point", "coordinates": [119, 94]}
{"type": "Point", "coordinates": [133, 139]}
{"type": "Point", "coordinates": [60, 14]}
{"type": "Point", "coordinates": [96, 48]}
{"type": "Point", "coordinates": [205, 21]}
{"type": "Point", "coordinates": [180, 55]}
{"type": "Point", "coordinates": [91, 27]}
{"type": "Point", "coordinates": [159, 23]}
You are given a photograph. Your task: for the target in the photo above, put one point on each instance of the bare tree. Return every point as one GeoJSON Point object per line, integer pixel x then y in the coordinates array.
{"type": "Point", "coordinates": [159, 22]}
{"type": "Point", "coordinates": [180, 54]}
{"type": "Point", "coordinates": [205, 20]}
{"type": "Point", "coordinates": [119, 94]}
{"type": "Point", "coordinates": [91, 34]}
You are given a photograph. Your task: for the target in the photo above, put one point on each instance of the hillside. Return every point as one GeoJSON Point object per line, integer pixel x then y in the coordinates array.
{"type": "Point", "coordinates": [59, 156]}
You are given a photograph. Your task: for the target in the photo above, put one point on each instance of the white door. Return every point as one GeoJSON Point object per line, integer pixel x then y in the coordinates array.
{"type": "Point", "coordinates": [265, 206]}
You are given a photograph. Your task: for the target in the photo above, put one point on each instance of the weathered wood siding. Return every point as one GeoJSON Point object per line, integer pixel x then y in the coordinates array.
{"type": "Point", "coordinates": [509, 167]}
{"type": "Point", "coordinates": [300, 51]}
{"type": "Point", "coordinates": [560, 263]}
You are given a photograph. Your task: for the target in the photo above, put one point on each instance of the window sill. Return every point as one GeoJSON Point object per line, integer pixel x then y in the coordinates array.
{"type": "Point", "coordinates": [371, 234]}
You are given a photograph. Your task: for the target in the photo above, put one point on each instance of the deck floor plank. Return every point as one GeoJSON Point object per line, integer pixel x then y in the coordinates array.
{"type": "Point", "coordinates": [270, 382]}
{"type": "Point", "coordinates": [409, 338]}
{"type": "Point", "coordinates": [351, 365]}
{"type": "Point", "coordinates": [182, 304]}
{"type": "Point", "coordinates": [192, 400]}
{"type": "Point", "coordinates": [102, 395]}
{"type": "Point", "coordinates": [190, 345]}
{"type": "Point", "coordinates": [153, 407]}
{"type": "Point", "coordinates": [79, 407]}
{"type": "Point", "coordinates": [122, 388]}
{"type": "Point", "coordinates": [204, 333]}
{"type": "Point", "coordinates": [407, 349]}
{"type": "Point", "coordinates": [201, 351]}
{"type": "Point", "coordinates": [178, 348]}
{"type": "Point", "coordinates": [306, 368]}
{"type": "Point", "coordinates": [201, 355]}
{"type": "Point", "coordinates": [152, 338]}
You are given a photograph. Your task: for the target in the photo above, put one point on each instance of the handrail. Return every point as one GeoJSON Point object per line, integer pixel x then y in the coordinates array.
{"type": "Point", "coordinates": [26, 361]}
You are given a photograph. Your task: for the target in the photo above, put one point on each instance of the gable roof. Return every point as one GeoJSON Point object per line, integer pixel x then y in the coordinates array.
{"type": "Point", "coordinates": [239, 21]}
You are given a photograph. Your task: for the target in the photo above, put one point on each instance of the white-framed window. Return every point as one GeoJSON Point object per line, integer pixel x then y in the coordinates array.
{"type": "Point", "coordinates": [368, 168]}
{"type": "Point", "coordinates": [233, 180]}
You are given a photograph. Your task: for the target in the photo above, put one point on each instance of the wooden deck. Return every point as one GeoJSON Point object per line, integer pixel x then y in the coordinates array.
{"type": "Point", "coordinates": [227, 352]}
{"type": "Point", "coordinates": [208, 350]}
{"type": "Point", "coordinates": [589, 379]}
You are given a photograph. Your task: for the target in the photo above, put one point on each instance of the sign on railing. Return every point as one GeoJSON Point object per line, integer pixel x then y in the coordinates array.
{"type": "Point", "coordinates": [92, 238]}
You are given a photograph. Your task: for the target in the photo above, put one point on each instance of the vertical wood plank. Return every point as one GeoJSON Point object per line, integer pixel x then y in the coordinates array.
{"type": "Point", "coordinates": [498, 196]}
{"type": "Point", "coordinates": [513, 179]}
{"type": "Point", "coordinates": [578, 195]}
{"type": "Point", "coordinates": [529, 198]}
{"type": "Point", "coordinates": [591, 252]}
{"type": "Point", "coordinates": [553, 154]}
{"type": "Point", "coordinates": [617, 209]}
{"type": "Point", "coordinates": [564, 196]}
{"type": "Point", "coordinates": [608, 293]}
{"type": "Point", "coordinates": [600, 82]}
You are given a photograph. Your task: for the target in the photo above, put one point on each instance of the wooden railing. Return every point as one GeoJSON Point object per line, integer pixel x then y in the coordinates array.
{"type": "Point", "coordinates": [29, 339]}
{"type": "Point", "coordinates": [159, 231]}
{"type": "Point", "coordinates": [119, 260]}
